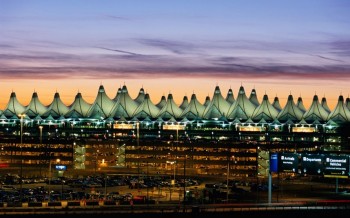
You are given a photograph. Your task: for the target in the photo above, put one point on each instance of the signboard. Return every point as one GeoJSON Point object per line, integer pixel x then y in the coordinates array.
{"type": "Point", "coordinates": [274, 163]}
{"type": "Point", "coordinates": [173, 127]}
{"type": "Point", "coordinates": [288, 162]}
{"type": "Point", "coordinates": [312, 164]}
{"type": "Point", "coordinates": [123, 126]}
{"type": "Point", "coordinates": [250, 128]}
{"type": "Point", "coordinates": [336, 166]}
{"type": "Point", "coordinates": [303, 129]}
{"type": "Point", "coordinates": [61, 167]}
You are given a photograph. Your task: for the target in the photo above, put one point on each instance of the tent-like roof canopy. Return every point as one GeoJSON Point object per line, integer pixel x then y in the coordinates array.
{"type": "Point", "coordinates": [265, 111]}
{"type": "Point", "coordinates": [300, 105]}
{"type": "Point", "coordinates": [146, 109]}
{"type": "Point", "coordinates": [194, 110]}
{"type": "Point", "coordinates": [170, 109]}
{"type": "Point", "coordinates": [290, 111]}
{"type": "Point", "coordinates": [340, 113]}
{"type": "Point", "coordinates": [57, 108]}
{"type": "Point", "coordinates": [229, 97]}
{"type": "Point", "coordinates": [254, 98]}
{"type": "Point", "coordinates": [13, 107]}
{"type": "Point", "coordinates": [243, 108]}
{"type": "Point", "coordinates": [276, 104]}
{"type": "Point", "coordinates": [216, 108]}
{"type": "Point", "coordinates": [35, 107]}
{"type": "Point", "coordinates": [316, 111]}
{"type": "Point", "coordinates": [184, 103]}
{"type": "Point", "coordinates": [79, 108]}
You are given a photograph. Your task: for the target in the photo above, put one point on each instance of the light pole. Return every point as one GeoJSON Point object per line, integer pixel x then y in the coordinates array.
{"type": "Point", "coordinates": [184, 203]}
{"type": "Point", "coordinates": [41, 143]}
{"type": "Point", "coordinates": [21, 171]}
{"type": "Point", "coordinates": [138, 148]}
{"type": "Point", "coordinates": [227, 178]}
{"type": "Point", "coordinates": [147, 199]}
{"type": "Point", "coordinates": [41, 134]}
{"type": "Point", "coordinates": [173, 163]}
{"type": "Point", "coordinates": [50, 175]}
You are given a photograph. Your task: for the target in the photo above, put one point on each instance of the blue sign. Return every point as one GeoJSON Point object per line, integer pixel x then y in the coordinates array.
{"type": "Point", "coordinates": [61, 167]}
{"type": "Point", "coordinates": [274, 163]}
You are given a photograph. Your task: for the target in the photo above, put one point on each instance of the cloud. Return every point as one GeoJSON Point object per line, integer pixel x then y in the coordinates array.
{"type": "Point", "coordinates": [176, 47]}
{"type": "Point", "coordinates": [119, 51]}
{"type": "Point", "coordinates": [185, 60]}
{"type": "Point", "coordinates": [340, 47]}
{"type": "Point", "coordinates": [115, 17]}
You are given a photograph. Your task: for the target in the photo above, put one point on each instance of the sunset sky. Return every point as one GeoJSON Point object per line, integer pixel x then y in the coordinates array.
{"type": "Point", "coordinates": [181, 47]}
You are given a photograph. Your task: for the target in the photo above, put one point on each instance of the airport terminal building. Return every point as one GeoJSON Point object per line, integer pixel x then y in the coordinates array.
{"type": "Point", "coordinates": [223, 135]}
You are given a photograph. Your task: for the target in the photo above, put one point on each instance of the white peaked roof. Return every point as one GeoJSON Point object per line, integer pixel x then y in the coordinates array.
{"type": "Point", "coordinates": [161, 103]}
{"type": "Point", "coordinates": [184, 103]}
{"type": "Point", "coordinates": [265, 111]}
{"type": "Point", "coordinates": [13, 107]}
{"type": "Point", "coordinates": [229, 97]}
{"type": "Point", "coordinates": [103, 106]}
{"type": "Point", "coordinates": [117, 96]}
{"type": "Point", "coordinates": [300, 105]}
{"type": "Point", "coordinates": [140, 97]}
{"type": "Point", "coordinates": [170, 109]}
{"type": "Point", "coordinates": [194, 110]}
{"type": "Point", "coordinates": [125, 106]}
{"type": "Point", "coordinates": [146, 109]}
{"type": "Point", "coordinates": [276, 104]}
{"type": "Point", "coordinates": [290, 111]}
{"type": "Point", "coordinates": [347, 103]}
{"type": "Point", "coordinates": [316, 111]}
{"type": "Point", "coordinates": [253, 98]}
{"type": "Point", "coordinates": [207, 101]}
{"type": "Point", "coordinates": [324, 104]}
{"type": "Point", "coordinates": [79, 108]}
{"type": "Point", "coordinates": [57, 108]}
{"type": "Point", "coordinates": [218, 106]}
{"type": "Point", "coordinates": [340, 113]}
{"type": "Point", "coordinates": [242, 108]}
{"type": "Point", "coordinates": [35, 107]}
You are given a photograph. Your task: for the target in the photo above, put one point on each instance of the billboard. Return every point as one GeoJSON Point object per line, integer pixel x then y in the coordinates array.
{"type": "Point", "coordinates": [312, 164]}
{"type": "Point", "coordinates": [288, 162]}
{"type": "Point", "coordinates": [336, 166]}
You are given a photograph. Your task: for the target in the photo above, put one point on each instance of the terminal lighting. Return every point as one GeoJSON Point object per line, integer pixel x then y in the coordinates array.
{"type": "Point", "coordinates": [61, 167]}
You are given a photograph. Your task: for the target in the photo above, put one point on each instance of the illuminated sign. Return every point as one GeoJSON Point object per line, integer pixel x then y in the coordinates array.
{"type": "Point", "coordinates": [274, 163]}
{"type": "Point", "coordinates": [250, 128]}
{"type": "Point", "coordinates": [123, 126]}
{"type": "Point", "coordinates": [173, 127]}
{"type": "Point", "coordinates": [312, 164]}
{"type": "Point", "coordinates": [303, 129]}
{"type": "Point", "coordinates": [288, 162]}
{"type": "Point", "coordinates": [61, 167]}
{"type": "Point", "coordinates": [336, 166]}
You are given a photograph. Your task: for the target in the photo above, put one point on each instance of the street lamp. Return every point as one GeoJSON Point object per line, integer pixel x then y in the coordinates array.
{"type": "Point", "coordinates": [173, 181]}
{"type": "Point", "coordinates": [41, 134]}
{"type": "Point", "coordinates": [41, 142]}
{"type": "Point", "coordinates": [21, 171]}
{"type": "Point", "coordinates": [50, 174]}
{"type": "Point", "coordinates": [184, 203]}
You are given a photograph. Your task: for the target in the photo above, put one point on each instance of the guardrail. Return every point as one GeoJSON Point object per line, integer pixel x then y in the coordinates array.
{"type": "Point", "coordinates": [114, 207]}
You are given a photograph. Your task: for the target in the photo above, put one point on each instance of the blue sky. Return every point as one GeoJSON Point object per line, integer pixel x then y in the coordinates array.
{"type": "Point", "coordinates": [131, 40]}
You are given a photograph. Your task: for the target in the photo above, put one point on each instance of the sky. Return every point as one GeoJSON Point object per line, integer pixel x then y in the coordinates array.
{"type": "Point", "coordinates": [278, 47]}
